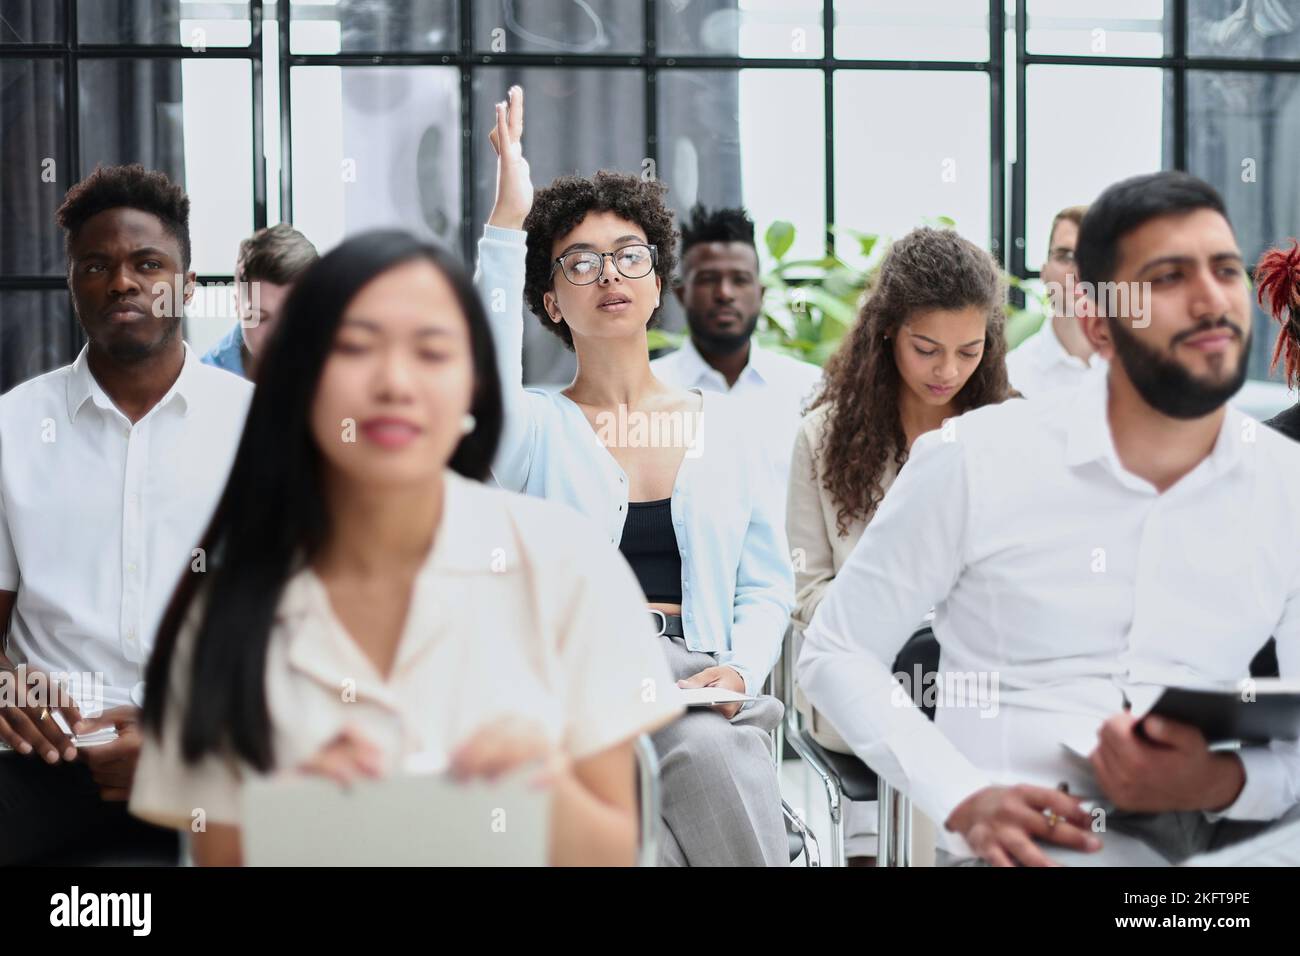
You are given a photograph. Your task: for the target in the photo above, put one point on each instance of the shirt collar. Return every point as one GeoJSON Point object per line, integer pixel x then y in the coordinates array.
{"type": "Point", "coordinates": [761, 363]}
{"type": "Point", "coordinates": [1053, 349]}
{"type": "Point", "coordinates": [82, 386]}
{"type": "Point", "coordinates": [696, 367]}
{"type": "Point", "coordinates": [475, 537]}
{"type": "Point", "coordinates": [1089, 436]}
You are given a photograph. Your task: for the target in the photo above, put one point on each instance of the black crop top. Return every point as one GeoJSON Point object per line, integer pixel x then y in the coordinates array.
{"type": "Point", "coordinates": [650, 546]}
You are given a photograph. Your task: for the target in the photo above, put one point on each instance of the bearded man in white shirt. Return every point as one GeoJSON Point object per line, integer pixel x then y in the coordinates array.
{"type": "Point", "coordinates": [1081, 553]}
{"type": "Point", "coordinates": [109, 470]}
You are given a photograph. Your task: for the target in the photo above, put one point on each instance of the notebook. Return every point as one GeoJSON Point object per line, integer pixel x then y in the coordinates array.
{"type": "Point", "coordinates": [1253, 712]}
{"type": "Point", "coordinates": [708, 696]}
{"type": "Point", "coordinates": [408, 820]}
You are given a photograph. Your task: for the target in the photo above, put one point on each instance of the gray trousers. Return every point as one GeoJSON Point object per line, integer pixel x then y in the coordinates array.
{"type": "Point", "coordinates": [721, 793]}
{"type": "Point", "coordinates": [1161, 839]}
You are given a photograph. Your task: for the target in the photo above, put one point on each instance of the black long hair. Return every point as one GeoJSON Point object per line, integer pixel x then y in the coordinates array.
{"type": "Point", "coordinates": [273, 510]}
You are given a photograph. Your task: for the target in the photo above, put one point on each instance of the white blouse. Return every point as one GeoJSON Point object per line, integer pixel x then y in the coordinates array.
{"type": "Point", "coordinates": [522, 609]}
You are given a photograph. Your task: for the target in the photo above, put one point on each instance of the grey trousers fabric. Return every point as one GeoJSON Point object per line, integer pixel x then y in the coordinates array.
{"type": "Point", "coordinates": [1157, 839]}
{"type": "Point", "coordinates": [721, 793]}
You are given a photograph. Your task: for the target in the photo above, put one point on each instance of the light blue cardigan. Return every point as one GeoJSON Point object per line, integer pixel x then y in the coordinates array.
{"type": "Point", "coordinates": [737, 581]}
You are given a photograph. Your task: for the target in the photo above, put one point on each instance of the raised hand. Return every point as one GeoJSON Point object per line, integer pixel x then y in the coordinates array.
{"type": "Point", "coordinates": [514, 181]}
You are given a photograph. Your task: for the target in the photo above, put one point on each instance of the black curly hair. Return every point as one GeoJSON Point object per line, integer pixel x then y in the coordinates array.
{"type": "Point", "coordinates": [133, 187]}
{"type": "Point", "coordinates": [725, 224]}
{"type": "Point", "coordinates": [561, 206]}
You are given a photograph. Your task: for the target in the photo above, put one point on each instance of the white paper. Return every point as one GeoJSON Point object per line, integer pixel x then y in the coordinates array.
{"type": "Point", "coordinates": [708, 696]}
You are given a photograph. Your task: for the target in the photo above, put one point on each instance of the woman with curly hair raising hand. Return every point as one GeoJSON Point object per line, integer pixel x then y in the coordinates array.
{"type": "Point", "coordinates": [692, 508]}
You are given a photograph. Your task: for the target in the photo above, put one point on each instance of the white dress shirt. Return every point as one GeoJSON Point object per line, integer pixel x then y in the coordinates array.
{"type": "Point", "coordinates": [99, 517]}
{"type": "Point", "coordinates": [1065, 582]}
{"type": "Point", "coordinates": [521, 609]}
{"type": "Point", "coordinates": [772, 389]}
{"type": "Point", "coordinates": [1040, 364]}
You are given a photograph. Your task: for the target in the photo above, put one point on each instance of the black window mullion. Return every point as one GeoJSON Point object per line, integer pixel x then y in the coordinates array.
{"type": "Point", "coordinates": [72, 132]}
{"type": "Point", "coordinates": [1017, 245]}
{"type": "Point", "coordinates": [1180, 85]}
{"type": "Point", "coordinates": [465, 27]}
{"type": "Point", "coordinates": [828, 106]}
{"type": "Point", "coordinates": [259, 133]}
{"type": "Point", "coordinates": [997, 131]}
{"type": "Point", "coordinates": [282, 16]}
{"type": "Point", "coordinates": [649, 13]}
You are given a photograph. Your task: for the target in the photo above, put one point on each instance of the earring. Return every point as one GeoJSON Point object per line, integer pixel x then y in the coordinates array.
{"type": "Point", "coordinates": [468, 423]}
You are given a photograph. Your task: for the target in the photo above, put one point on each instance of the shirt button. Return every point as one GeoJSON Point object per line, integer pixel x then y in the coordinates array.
{"type": "Point", "coordinates": [620, 507]}
{"type": "Point", "coordinates": [620, 479]}
{"type": "Point", "coordinates": [130, 567]}
{"type": "Point", "coordinates": [686, 585]}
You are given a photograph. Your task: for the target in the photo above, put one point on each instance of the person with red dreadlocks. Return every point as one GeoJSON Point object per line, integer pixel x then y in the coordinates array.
{"type": "Point", "coordinates": [1277, 276]}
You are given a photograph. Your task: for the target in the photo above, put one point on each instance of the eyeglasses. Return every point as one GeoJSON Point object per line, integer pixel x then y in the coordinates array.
{"type": "Point", "coordinates": [583, 267]}
{"type": "Point", "coordinates": [1064, 256]}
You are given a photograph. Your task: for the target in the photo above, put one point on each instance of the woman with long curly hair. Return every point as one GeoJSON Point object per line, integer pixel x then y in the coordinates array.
{"type": "Point", "coordinates": [928, 345]}
{"type": "Point", "coordinates": [1277, 277]}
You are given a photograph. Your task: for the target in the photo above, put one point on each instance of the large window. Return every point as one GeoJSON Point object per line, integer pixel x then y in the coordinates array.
{"type": "Point", "coordinates": [339, 115]}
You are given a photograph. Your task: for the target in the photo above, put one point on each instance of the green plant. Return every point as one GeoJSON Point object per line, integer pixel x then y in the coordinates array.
{"type": "Point", "coordinates": [811, 303]}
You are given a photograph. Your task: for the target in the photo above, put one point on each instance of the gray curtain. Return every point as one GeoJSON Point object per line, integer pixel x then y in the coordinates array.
{"type": "Point", "coordinates": [395, 120]}
{"type": "Point", "coordinates": [387, 25]}
{"type": "Point", "coordinates": [35, 330]}
{"type": "Point", "coordinates": [1243, 129]}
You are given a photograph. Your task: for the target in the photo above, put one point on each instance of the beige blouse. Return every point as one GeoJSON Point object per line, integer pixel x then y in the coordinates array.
{"type": "Point", "coordinates": [817, 548]}
{"type": "Point", "coordinates": [522, 609]}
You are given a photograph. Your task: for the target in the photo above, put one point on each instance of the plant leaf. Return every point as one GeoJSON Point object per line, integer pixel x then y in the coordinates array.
{"type": "Point", "coordinates": [779, 238]}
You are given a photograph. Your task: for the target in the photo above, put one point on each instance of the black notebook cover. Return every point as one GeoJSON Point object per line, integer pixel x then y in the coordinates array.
{"type": "Point", "coordinates": [1225, 715]}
